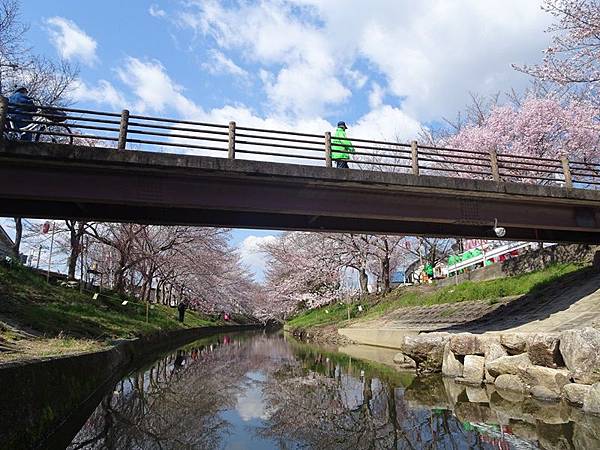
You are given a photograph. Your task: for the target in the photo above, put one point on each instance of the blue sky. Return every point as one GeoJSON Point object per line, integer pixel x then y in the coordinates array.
{"type": "Point", "coordinates": [386, 67]}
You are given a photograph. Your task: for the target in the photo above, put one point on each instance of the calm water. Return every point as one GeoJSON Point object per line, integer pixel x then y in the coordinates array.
{"type": "Point", "coordinates": [260, 391]}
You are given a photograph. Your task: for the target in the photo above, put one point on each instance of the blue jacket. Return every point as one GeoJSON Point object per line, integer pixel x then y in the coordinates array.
{"type": "Point", "coordinates": [15, 112]}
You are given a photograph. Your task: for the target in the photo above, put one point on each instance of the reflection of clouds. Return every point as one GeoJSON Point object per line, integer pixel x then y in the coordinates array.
{"type": "Point", "coordinates": [250, 402]}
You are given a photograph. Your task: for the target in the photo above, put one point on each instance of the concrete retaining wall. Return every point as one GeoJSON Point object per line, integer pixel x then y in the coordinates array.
{"type": "Point", "coordinates": [40, 399]}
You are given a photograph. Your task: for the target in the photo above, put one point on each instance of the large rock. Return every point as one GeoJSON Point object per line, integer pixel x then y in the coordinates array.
{"type": "Point", "coordinates": [512, 365]}
{"type": "Point", "coordinates": [543, 393]}
{"type": "Point", "coordinates": [467, 344]}
{"type": "Point", "coordinates": [509, 382]}
{"type": "Point", "coordinates": [586, 432]}
{"type": "Point", "coordinates": [404, 362]}
{"type": "Point", "coordinates": [493, 351]}
{"type": "Point", "coordinates": [473, 369]}
{"type": "Point", "coordinates": [515, 343]}
{"type": "Point", "coordinates": [580, 350]}
{"type": "Point", "coordinates": [553, 379]}
{"type": "Point", "coordinates": [451, 366]}
{"type": "Point", "coordinates": [543, 350]}
{"type": "Point", "coordinates": [591, 401]}
{"type": "Point", "coordinates": [427, 350]}
{"type": "Point", "coordinates": [575, 393]}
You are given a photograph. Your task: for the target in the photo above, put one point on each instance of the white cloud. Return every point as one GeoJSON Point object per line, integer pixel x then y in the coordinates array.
{"type": "Point", "coordinates": [220, 64]}
{"type": "Point", "coordinates": [72, 42]}
{"type": "Point", "coordinates": [431, 53]}
{"type": "Point", "coordinates": [154, 88]}
{"type": "Point", "coordinates": [103, 93]}
{"type": "Point", "coordinates": [386, 123]}
{"type": "Point", "coordinates": [155, 11]}
{"type": "Point", "coordinates": [251, 255]}
{"type": "Point", "coordinates": [306, 82]}
{"type": "Point", "coordinates": [376, 95]}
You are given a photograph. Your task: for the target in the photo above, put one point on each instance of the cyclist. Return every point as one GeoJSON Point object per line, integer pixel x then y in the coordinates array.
{"type": "Point", "coordinates": [17, 114]}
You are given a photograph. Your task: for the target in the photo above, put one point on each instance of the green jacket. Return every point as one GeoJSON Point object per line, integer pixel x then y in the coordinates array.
{"type": "Point", "coordinates": [341, 147]}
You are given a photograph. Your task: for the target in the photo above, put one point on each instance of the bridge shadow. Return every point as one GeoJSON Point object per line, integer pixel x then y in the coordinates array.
{"type": "Point", "coordinates": [539, 304]}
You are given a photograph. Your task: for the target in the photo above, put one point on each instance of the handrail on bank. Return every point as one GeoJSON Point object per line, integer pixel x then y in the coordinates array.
{"type": "Point", "coordinates": [139, 132]}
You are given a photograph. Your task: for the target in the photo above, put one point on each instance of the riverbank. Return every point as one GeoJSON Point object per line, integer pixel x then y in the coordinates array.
{"type": "Point", "coordinates": [40, 320]}
{"type": "Point", "coordinates": [46, 396]}
{"type": "Point", "coordinates": [429, 307]}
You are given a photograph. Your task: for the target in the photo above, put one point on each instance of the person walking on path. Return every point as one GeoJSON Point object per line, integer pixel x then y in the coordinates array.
{"type": "Point", "coordinates": [181, 308]}
{"type": "Point", "coordinates": [341, 147]}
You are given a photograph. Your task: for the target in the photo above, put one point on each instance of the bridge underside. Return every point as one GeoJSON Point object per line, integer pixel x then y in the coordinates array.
{"type": "Point", "coordinates": [55, 182]}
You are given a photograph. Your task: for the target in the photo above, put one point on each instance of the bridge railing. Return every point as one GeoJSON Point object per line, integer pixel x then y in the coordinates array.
{"type": "Point", "coordinates": [137, 132]}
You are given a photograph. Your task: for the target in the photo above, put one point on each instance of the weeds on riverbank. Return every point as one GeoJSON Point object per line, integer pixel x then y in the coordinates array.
{"type": "Point", "coordinates": [54, 320]}
{"type": "Point", "coordinates": [491, 291]}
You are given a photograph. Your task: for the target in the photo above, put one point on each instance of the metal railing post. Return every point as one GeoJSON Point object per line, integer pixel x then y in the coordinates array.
{"type": "Point", "coordinates": [566, 171]}
{"type": "Point", "coordinates": [123, 130]}
{"type": "Point", "coordinates": [327, 149]}
{"type": "Point", "coordinates": [231, 151]}
{"type": "Point", "coordinates": [3, 113]}
{"type": "Point", "coordinates": [494, 165]}
{"type": "Point", "coordinates": [414, 153]}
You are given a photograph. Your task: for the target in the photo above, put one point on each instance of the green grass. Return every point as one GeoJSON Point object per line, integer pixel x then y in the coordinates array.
{"type": "Point", "coordinates": [491, 291]}
{"type": "Point", "coordinates": [27, 303]}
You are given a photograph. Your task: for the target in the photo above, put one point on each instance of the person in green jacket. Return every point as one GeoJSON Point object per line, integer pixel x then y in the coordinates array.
{"type": "Point", "coordinates": [341, 147]}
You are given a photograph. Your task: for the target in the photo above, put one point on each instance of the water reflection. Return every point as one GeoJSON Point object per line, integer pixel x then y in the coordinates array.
{"type": "Point", "coordinates": [258, 391]}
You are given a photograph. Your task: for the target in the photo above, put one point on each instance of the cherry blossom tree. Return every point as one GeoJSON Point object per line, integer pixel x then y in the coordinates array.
{"type": "Point", "coordinates": [573, 58]}
{"type": "Point", "coordinates": [301, 272]}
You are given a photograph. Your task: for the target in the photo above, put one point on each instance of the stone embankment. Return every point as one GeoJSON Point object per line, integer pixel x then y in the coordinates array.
{"type": "Point", "coordinates": [546, 366]}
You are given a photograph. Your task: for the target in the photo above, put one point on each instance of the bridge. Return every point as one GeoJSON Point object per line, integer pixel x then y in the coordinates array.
{"type": "Point", "coordinates": [285, 181]}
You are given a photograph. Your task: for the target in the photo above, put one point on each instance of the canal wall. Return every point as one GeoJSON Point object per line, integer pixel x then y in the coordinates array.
{"type": "Point", "coordinates": [40, 399]}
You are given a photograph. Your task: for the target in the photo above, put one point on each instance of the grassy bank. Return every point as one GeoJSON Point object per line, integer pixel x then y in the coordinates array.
{"type": "Point", "coordinates": [491, 291]}
{"type": "Point", "coordinates": [37, 319]}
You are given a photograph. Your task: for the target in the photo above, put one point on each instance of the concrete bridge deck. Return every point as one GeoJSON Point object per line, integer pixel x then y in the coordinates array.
{"type": "Point", "coordinates": [68, 181]}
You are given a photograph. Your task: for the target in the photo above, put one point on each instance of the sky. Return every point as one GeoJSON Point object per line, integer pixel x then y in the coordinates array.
{"type": "Point", "coordinates": [388, 68]}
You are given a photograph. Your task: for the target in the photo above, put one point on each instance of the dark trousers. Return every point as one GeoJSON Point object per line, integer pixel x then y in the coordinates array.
{"type": "Point", "coordinates": [181, 313]}
{"type": "Point", "coordinates": [342, 164]}
{"type": "Point", "coordinates": [25, 135]}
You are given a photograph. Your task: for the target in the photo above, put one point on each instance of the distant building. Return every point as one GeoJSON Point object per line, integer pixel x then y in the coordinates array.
{"type": "Point", "coordinates": [6, 244]}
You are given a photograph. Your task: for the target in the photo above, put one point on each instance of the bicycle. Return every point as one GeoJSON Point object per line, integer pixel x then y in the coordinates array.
{"type": "Point", "coordinates": [42, 128]}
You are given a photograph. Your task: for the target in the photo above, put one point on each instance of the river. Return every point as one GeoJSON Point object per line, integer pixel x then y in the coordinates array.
{"type": "Point", "coordinates": [256, 390]}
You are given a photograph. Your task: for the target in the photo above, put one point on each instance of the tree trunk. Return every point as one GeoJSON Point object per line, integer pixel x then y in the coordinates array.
{"type": "Point", "coordinates": [363, 280]}
{"type": "Point", "coordinates": [18, 236]}
{"type": "Point", "coordinates": [385, 274]}
{"type": "Point", "coordinates": [76, 240]}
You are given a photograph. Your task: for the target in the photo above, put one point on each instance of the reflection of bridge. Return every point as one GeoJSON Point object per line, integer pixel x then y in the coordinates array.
{"type": "Point", "coordinates": [403, 193]}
